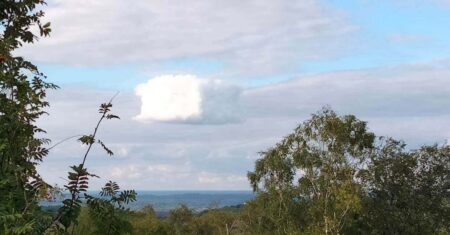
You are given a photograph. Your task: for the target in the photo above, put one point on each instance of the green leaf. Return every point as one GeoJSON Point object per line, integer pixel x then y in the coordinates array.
{"type": "Point", "coordinates": [108, 151]}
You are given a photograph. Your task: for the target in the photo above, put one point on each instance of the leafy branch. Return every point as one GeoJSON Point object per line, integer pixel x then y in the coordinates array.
{"type": "Point", "coordinates": [78, 178]}
{"type": "Point", "coordinates": [106, 210]}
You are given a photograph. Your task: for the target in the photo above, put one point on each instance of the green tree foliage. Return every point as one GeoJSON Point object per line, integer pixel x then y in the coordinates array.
{"type": "Point", "coordinates": [106, 211]}
{"type": "Point", "coordinates": [146, 222]}
{"type": "Point", "coordinates": [219, 221]}
{"type": "Point", "coordinates": [22, 94]}
{"type": "Point", "coordinates": [311, 175]}
{"type": "Point", "coordinates": [181, 220]}
{"type": "Point", "coordinates": [333, 176]}
{"type": "Point", "coordinates": [408, 192]}
{"type": "Point", "coordinates": [85, 224]}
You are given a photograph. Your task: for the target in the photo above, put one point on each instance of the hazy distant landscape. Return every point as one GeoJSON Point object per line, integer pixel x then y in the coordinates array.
{"type": "Point", "coordinates": [164, 201]}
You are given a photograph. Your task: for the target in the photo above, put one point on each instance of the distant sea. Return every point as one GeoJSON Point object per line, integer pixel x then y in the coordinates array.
{"type": "Point", "coordinates": [163, 201]}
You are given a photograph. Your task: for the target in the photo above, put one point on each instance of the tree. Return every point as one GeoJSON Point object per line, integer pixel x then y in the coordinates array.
{"type": "Point", "coordinates": [146, 222]}
{"type": "Point", "coordinates": [22, 94]}
{"type": "Point", "coordinates": [181, 220]}
{"type": "Point", "coordinates": [332, 176]}
{"type": "Point", "coordinates": [408, 191]}
{"type": "Point", "coordinates": [309, 181]}
{"type": "Point", "coordinates": [218, 221]}
{"type": "Point", "coordinates": [22, 100]}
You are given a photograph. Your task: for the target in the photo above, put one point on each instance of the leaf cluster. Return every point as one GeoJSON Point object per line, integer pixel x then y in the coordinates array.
{"type": "Point", "coordinates": [107, 209]}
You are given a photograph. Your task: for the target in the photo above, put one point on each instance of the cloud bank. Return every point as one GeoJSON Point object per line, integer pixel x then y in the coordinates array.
{"type": "Point", "coordinates": [408, 102]}
{"type": "Point", "coordinates": [250, 36]}
{"type": "Point", "coordinates": [189, 99]}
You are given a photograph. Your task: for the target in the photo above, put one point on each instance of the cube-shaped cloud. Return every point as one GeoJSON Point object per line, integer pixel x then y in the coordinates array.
{"type": "Point", "coordinates": [189, 99]}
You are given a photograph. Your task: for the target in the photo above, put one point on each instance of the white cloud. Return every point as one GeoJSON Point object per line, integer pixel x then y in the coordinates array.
{"type": "Point", "coordinates": [126, 172]}
{"type": "Point", "coordinates": [251, 36]}
{"type": "Point", "coordinates": [208, 178]}
{"type": "Point", "coordinates": [225, 180]}
{"type": "Point", "coordinates": [120, 150]}
{"type": "Point", "coordinates": [164, 168]}
{"type": "Point", "coordinates": [187, 98]}
{"type": "Point", "coordinates": [443, 2]}
{"type": "Point", "coordinates": [406, 37]}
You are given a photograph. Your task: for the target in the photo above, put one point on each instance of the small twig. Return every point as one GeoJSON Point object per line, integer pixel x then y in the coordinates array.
{"type": "Point", "coordinates": [114, 96]}
{"type": "Point", "coordinates": [64, 140]}
{"type": "Point", "coordinates": [64, 179]}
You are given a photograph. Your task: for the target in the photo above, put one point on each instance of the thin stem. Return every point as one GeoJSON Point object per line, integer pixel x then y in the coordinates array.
{"type": "Point", "coordinates": [64, 140]}
{"type": "Point", "coordinates": [93, 137]}
{"type": "Point", "coordinates": [75, 195]}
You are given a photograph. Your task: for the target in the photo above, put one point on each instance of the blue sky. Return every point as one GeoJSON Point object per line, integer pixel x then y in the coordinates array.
{"type": "Point", "coordinates": [388, 33]}
{"type": "Point", "coordinates": [204, 90]}
{"type": "Point", "coordinates": [418, 26]}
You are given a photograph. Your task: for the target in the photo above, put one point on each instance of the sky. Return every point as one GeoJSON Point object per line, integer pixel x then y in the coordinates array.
{"type": "Point", "coordinates": [204, 86]}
